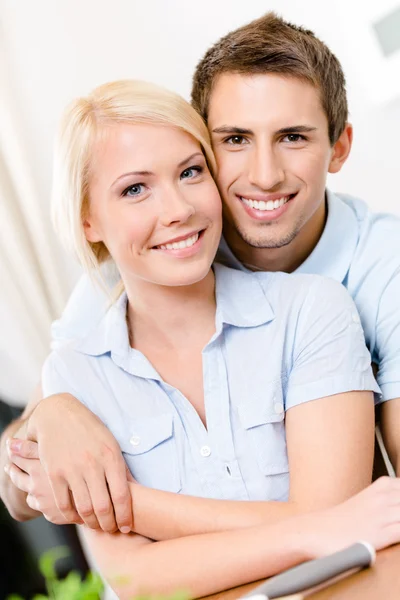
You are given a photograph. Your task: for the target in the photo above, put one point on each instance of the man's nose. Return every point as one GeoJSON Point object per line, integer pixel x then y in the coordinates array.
{"type": "Point", "coordinates": [265, 169]}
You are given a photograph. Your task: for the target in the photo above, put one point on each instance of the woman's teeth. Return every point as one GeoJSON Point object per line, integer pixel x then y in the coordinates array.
{"type": "Point", "coordinates": [182, 244]}
{"type": "Point", "coordinates": [269, 205]}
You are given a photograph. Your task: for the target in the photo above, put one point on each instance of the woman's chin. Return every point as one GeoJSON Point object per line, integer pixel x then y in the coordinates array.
{"type": "Point", "coordinates": [182, 277]}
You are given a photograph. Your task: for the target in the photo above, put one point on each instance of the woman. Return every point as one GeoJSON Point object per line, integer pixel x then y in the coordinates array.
{"type": "Point", "coordinates": [216, 383]}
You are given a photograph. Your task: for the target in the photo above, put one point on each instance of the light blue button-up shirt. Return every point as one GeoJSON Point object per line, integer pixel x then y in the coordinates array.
{"type": "Point", "coordinates": [280, 340]}
{"type": "Point", "coordinates": [358, 248]}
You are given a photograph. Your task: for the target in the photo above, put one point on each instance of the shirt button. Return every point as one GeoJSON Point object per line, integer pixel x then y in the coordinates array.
{"type": "Point", "coordinates": [135, 440]}
{"type": "Point", "coordinates": [356, 318]}
{"type": "Point", "coordinates": [205, 451]}
{"type": "Point", "coordinates": [278, 408]}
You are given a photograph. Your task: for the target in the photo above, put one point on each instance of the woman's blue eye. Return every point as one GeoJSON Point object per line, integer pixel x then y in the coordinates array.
{"type": "Point", "coordinates": [191, 172]}
{"type": "Point", "coordinates": [133, 190]}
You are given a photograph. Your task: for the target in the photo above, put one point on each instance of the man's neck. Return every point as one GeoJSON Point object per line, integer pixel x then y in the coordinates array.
{"type": "Point", "coordinates": [287, 258]}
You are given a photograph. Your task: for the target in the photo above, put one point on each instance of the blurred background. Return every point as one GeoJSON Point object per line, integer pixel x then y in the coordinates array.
{"type": "Point", "coordinates": [51, 52]}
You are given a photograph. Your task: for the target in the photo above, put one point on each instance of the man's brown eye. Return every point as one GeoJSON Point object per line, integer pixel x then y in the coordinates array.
{"type": "Point", "coordinates": [236, 139]}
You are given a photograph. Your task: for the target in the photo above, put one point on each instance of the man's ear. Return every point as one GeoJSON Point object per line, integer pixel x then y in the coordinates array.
{"type": "Point", "coordinates": [91, 232]}
{"type": "Point", "coordinates": [341, 149]}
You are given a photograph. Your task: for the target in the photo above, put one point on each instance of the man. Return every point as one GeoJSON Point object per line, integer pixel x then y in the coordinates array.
{"type": "Point", "coordinates": [274, 99]}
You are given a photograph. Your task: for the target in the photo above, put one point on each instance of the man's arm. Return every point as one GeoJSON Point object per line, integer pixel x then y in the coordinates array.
{"type": "Point", "coordinates": [388, 351]}
{"type": "Point", "coordinates": [390, 427]}
{"type": "Point", "coordinates": [13, 498]}
{"type": "Point", "coordinates": [318, 480]}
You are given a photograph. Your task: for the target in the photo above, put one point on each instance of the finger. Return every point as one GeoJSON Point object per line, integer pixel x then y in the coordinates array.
{"type": "Point", "coordinates": [63, 498]}
{"type": "Point", "coordinates": [20, 479]}
{"type": "Point", "coordinates": [117, 480]}
{"type": "Point", "coordinates": [33, 502]}
{"type": "Point", "coordinates": [83, 502]}
{"type": "Point", "coordinates": [23, 448]}
{"type": "Point", "coordinates": [25, 464]}
{"type": "Point", "coordinates": [102, 504]}
{"type": "Point", "coordinates": [57, 519]}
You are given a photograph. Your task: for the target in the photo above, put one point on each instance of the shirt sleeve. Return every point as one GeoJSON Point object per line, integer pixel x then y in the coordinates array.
{"type": "Point", "coordinates": [85, 308]}
{"type": "Point", "coordinates": [330, 355]}
{"type": "Point", "coordinates": [388, 339]}
{"type": "Point", "coordinates": [55, 378]}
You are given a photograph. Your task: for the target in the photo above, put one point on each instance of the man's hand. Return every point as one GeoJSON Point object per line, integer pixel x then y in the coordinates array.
{"type": "Point", "coordinates": [372, 515]}
{"type": "Point", "coordinates": [28, 475]}
{"type": "Point", "coordinates": [13, 498]}
{"type": "Point", "coordinates": [83, 463]}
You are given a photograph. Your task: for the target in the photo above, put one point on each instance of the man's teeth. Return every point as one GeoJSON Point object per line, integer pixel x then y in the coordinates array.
{"type": "Point", "coordinates": [269, 205]}
{"type": "Point", "coordinates": [182, 244]}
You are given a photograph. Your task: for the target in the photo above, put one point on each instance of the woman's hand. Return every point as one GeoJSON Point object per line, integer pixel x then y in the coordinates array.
{"type": "Point", "coordinates": [28, 475]}
{"type": "Point", "coordinates": [83, 462]}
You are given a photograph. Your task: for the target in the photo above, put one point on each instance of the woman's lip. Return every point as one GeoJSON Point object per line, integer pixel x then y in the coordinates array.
{"type": "Point", "coordinates": [183, 252]}
{"type": "Point", "coordinates": [177, 239]}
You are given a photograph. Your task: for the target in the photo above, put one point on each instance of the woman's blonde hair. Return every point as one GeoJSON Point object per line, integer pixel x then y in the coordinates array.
{"type": "Point", "coordinates": [125, 101]}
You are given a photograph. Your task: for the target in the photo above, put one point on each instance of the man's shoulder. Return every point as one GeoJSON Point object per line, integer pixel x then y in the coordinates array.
{"type": "Point", "coordinates": [373, 226]}
{"type": "Point", "coordinates": [293, 289]}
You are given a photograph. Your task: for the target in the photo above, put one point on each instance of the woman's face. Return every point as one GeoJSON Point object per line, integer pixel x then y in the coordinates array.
{"type": "Point", "coordinates": [154, 204]}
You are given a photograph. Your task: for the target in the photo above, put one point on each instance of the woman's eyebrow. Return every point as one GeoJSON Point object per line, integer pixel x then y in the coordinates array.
{"type": "Point", "coordinates": [189, 158]}
{"type": "Point", "coordinates": [130, 174]}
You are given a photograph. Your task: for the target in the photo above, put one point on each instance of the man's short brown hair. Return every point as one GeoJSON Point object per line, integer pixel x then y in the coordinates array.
{"type": "Point", "coordinates": [271, 45]}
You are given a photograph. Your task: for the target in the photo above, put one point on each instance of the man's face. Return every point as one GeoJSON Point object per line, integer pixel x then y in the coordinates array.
{"type": "Point", "coordinates": [270, 137]}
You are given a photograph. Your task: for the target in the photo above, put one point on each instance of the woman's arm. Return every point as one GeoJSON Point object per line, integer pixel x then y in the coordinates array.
{"type": "Point", "coordinates": [208, 563]}
{"type": "Point", "coordinates": [321, 473]}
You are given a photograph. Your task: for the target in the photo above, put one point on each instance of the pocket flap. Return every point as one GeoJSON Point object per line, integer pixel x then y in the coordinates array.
{"type": "Point", "coordinates": [145, 433]}
{"type": "Point", "coordinates": [265, 407]}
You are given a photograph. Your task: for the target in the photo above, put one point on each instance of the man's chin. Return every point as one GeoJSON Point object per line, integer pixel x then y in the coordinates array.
{"type": "Point", "coordinates": [267, 242]}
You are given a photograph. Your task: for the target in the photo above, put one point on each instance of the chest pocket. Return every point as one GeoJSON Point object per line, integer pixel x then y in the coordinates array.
{"type": "Point", "coordinates": [150, 451]}
{"type": "Point", "coordinates": [263, 418]}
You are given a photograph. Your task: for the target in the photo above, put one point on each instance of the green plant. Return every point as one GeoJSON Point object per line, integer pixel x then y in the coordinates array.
{"type": "Point", "coordinates": [70, 588]}
{"type": "Point", "coordinates": [73, 587]}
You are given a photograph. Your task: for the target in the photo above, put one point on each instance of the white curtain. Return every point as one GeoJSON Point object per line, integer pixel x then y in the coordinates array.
{"type": "Point", "coordinates": [33, 292]}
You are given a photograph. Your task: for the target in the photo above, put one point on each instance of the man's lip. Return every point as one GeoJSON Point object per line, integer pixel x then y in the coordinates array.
{"type": "Point", "coordinates": [179, 238]}
{"type": "Point", "coordinates": [266, 197]}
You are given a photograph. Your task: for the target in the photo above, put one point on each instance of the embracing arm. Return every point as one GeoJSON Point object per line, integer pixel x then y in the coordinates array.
{"type": "Point", "coordinates": [390, 425]}
{"type": "Point", "coordinates": [318, 480]}
{"type": "Point", "coordinates": [13, 498]}
{"type": "Point", "coordinates": [388, 351]}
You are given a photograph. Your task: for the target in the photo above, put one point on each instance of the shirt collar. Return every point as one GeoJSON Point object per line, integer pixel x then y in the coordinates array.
{"type": "Point", "coordinates": [241, 302]}
{"type": "Point", "coordinates": [333, 254]}
{"type": "Point", "coordinates": [112, 336]}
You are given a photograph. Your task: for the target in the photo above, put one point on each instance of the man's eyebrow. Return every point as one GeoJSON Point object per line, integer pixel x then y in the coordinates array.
{"type": "Point", "coordinates": [296, 129]}
{"type": "Point", "coordinates": [231, 129]}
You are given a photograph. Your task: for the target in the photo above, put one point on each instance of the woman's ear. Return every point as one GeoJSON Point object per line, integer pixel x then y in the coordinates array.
{"type": "Point", "coordinates": [91, 232]}
{"type": "Point", "coordinates": [341, 149]}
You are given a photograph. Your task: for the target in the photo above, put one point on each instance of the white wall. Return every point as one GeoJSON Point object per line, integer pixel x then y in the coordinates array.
{"type": "Point", "coordinates": [57, 49]}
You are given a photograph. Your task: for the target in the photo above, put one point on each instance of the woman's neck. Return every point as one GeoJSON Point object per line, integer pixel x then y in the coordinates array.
{"type": "Point", "coordinates": [171, 316]}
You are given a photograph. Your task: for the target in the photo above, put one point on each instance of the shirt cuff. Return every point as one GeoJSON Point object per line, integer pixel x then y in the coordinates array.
{"type": "Point", "coordinates": [298, 394]}
{"type": "Point", "coordinates": [390, 390]}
